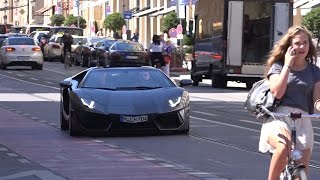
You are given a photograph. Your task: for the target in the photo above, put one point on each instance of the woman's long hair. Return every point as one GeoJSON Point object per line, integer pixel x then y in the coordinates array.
{"type": "Point", "coordinates": [156, 39]}
{"type": "Point", "coordinates": [280, 48]}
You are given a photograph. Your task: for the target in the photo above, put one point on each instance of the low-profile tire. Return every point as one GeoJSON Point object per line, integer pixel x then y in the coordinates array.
{"type": "Point", "coordinates": [73, 125]}
{"type": "Point", "coordinates": [49, 57]}
{"type": "Point", "coordinates": [89, 61]}
{"type": "Point", "coordinates": [40, 66]}
{"type": "Point", "coordinates": [300, 174]}
{"type": "Point", "coordinates": [63, 122]}
{"type": "Point", "coordinates": [3, 66]}
{"type": "Point", "coordinates": [185, 131]}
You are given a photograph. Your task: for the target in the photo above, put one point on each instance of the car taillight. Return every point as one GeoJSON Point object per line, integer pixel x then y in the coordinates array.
{"type": "Point", "coordinates": [10, 49]}
{"type": "Point", "coordinates": [217, 56]}
{"type": "Point", "coordinates": [55, 46]}
{"type": "Point", "coordinates": [36, 49]}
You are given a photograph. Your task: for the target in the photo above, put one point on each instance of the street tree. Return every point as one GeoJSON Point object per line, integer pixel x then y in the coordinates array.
{"type": "Point", "coordinates": [170, 21]}
{"type": "Point", "coordinates": [312, 21]}
{"type": "Point", "coordinates": [73, 20]}
{"type": "Point", "coordinates": [114, 22]}
{"type": "Point", "coordinates": [57, 19]}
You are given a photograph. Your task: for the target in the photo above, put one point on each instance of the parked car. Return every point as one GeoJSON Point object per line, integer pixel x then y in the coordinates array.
{"type": "Point", "coordinates": [207, 57]}
{"type": "Point", "coordinates": [125, 54]}
{"type": "Point", "coordinates": [21, 51]}
{"type": "Point", "coordinates": [18, 29]}
{"type": "Point", "coordinates": [77, 41]}
{"type": "Point", "coordinates": [98, 54]}
{"type": "Point", "coordinates": [17, 34]}
{"type": "Point", "coordinates": [53, 49]}
{"type": "Point", "coordinates": [61, 29]}
{"type": "Point", "coordinates": [123, 99]}
{"type": "Point", "coordinates": [38, 35]}
{"type": "Point", "coordinates": [32, 27]}
{"type": "Point", "coordinates": [82, 51]}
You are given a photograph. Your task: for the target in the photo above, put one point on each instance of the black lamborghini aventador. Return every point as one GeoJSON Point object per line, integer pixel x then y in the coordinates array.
{"type": "Point", "coordinates": [123, 100]}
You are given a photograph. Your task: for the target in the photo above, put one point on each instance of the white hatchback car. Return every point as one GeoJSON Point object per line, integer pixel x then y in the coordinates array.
{"type": "Point", "coordinates": [54, 49]}
{"type": "Point", "coordinates": [20, 51]}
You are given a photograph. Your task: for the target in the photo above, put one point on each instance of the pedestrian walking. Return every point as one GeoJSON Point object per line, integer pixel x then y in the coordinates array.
{"type": "Point", "coordinates": [168, 55]}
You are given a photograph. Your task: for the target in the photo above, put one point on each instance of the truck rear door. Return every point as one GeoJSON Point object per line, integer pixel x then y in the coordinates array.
{"type": "Point", "coordinates": [234, 38]}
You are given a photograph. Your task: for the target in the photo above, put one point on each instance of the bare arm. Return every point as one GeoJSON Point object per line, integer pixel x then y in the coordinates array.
{"type": "Point", "coordinates": [278, 82]}
{"type": "Point", "coordinates": [316, 96]}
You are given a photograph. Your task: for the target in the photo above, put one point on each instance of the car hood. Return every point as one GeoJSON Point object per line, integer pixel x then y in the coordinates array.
{"type": "Point", "coordinates": [136, 101]}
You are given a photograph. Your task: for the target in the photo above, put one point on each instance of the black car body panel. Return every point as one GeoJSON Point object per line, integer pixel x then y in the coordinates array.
{"type": "Point", "coordinates": [124, 109]}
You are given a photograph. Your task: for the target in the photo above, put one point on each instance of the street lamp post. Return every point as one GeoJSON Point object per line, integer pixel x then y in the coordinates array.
{"type": "Point", "coordinates": [5, 17]}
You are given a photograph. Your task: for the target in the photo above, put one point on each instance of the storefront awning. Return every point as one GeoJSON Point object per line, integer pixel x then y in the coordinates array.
{"type": "Point", "coordinates": [163, 12]}
{"type": "Point", "coordinates": [40, 10]}
{"type": "Point", "coordinates": [148, 11]}
{"type": "Point", "coordinates": [44, 9]}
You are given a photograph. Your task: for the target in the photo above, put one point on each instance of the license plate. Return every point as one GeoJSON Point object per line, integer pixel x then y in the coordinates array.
{"type": "Point", "coordinates": [132, 57]}
{"type": "Point", "coordinates": [23, 58]}
{"type": "Point", "coordinates": [134, 119]}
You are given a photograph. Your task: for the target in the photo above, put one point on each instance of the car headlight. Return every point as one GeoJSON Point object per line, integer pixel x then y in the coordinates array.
{"type": "Point", "coordinates": [174, 102]}
{"type": "Point", "coordinates": [87, 102]}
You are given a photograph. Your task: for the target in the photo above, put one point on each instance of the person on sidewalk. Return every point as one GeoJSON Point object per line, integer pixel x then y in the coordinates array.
{"type": "Point", "coordinates": [67, 41]}
{"type": "Point", "coordinates": [168, 54]}
{"type": "Point", "coordinates": [155, 51]}
{"type": "Point", "coordinates": [99, 33]}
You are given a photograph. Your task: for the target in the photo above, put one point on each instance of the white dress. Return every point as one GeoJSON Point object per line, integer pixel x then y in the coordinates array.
{"type": "Point", "coordinates": [304, 132]}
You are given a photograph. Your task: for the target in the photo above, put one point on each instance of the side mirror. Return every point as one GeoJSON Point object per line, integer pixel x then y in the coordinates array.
{"type": "Point", "coordinates": [92, 45]}
{"type": "Point", "coordinates": [185, 82]}
{"type": "Point", "coordinates": [79, 43]}
{"type": "Point", "coordinates": [106, 48]}
{"type": "Point", "coordinates": [65, 84]}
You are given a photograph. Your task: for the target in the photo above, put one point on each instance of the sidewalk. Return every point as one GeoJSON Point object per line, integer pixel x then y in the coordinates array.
{"type": "Point", "coordinates": [80, 158]}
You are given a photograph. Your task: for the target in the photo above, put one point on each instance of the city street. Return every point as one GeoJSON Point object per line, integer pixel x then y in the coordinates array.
{"type": "Point", "coordinates": [222, 143]}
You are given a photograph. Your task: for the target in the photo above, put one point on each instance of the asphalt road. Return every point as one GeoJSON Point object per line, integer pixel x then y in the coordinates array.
{"type": "Point", "coordinates": [222, 143]}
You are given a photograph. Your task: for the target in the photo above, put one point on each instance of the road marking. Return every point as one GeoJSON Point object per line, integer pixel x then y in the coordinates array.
{"type": "Point", "coordinates": [24, 161]}
{"type": "Point", "coordinates": [48, 82]}
{"type": "Point", "coordinates": [252, 122]}
{"type": "Point", "coordinates": [12, 154]}
{"type": "Point", "coordinates": [225, 124]}
{"type": "Point", "coordinates": [199, 112]}
{"type": "Point", "coordinates": [23, 97]}
{"type": "Point", "coordinates": [35, 79]}
{"type": "Point", "coordinates": [30, 82]}
{"type": "Point", "coordinates": [21, 75]}
{"type": "Point", "coordinates": [42, 174]}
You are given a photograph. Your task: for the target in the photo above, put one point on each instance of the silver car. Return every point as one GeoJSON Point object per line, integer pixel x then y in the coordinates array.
{"type": "Point", "coordinates": [20, 51]}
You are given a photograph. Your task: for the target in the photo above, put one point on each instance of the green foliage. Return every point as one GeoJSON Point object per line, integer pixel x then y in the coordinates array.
{"type": "Point", "coordinates": [57, 19]}
{"type": "Point", "coordinates": [312, 21]}
{"type": "Point", "coordinates": [74, 20]}
{"type": "Point", "coordinates": [114, 22]}
{"type": "Point", "coordinates": [188, 40]}
{"type": "Point", "coordinates": [170, 21]}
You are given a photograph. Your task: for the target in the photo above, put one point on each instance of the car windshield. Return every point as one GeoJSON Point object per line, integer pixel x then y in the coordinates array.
{"type": "Point", "coordinates": [128, 47]}
{"type": "Point", "coordinates": [95, 40]}
{"type": "Point", "coordinates": [79, 40]}
{"type": "Point", "coordinates": [21, 41]}
{"type": "Point", "coordinates": [126, 79]}
{"type": "Point", "coordinates": [2, 38]}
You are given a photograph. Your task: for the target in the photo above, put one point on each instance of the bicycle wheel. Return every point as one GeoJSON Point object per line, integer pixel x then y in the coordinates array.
{"type": "Point", "coordinates": [299, 174]}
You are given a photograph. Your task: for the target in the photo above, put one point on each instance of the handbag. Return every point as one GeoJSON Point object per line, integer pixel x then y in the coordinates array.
{"type": "Point", "coordinates": [260, 97]}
